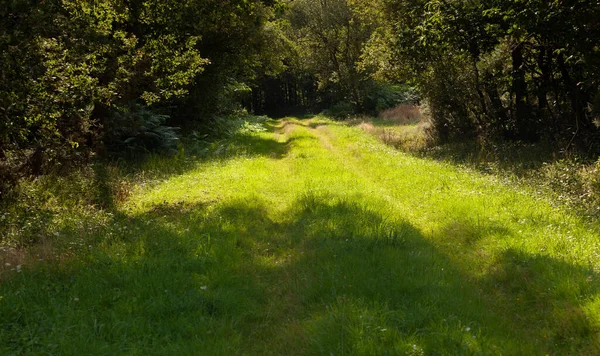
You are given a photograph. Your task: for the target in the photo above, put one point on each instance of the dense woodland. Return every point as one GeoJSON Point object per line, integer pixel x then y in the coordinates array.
{"type": "Point", "coordinates": [82, 80]}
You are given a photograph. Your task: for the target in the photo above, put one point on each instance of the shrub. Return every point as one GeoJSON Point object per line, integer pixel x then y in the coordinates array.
{"type": "Point", "coordinates": [138, 129]}
{"type": "Point", "coordinates": [341, 110]}
{"type": "Point", "coordinates": [382, 96]}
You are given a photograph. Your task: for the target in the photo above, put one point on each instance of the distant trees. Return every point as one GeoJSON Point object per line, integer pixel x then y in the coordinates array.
{"type": "Point", "coordinates": [325, 63]}
{"type": "Point", "coordinates": [331, 37]}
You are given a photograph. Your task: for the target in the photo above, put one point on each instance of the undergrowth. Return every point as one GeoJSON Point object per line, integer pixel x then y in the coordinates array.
{"type": "Point", "coordinates": [50, 213]}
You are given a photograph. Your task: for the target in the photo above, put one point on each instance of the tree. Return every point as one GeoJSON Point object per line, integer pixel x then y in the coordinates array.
{"type": "Point", "coordinates": [522, 69]}
{"type": "Point", "coordinates": [331, 36]}
{"type": "Point", "coordinates": [68, 68]}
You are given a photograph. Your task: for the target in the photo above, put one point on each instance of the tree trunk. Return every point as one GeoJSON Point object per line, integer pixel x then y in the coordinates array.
{"type": "Point", "coordinates": [525, 128]}
{"type": "Point", "coordinates": [544, 64]}
{"type": "Point", "coordinates": [577, 99]}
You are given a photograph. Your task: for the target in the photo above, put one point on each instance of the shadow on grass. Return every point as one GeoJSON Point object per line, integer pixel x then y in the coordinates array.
{"type": "Point", "coordinates": [253, 145]}
{"type": "Point", "coordinates": [243, 143]}
{"type": "Point", "coordinates": [31, 215]}
{"type": "Point", "coordinates": [470, 233]}
{"type": "Point", "coordinates": [378, 122]}
{"type": "Point", "coordinates": [517, 158]}
{"type": "Point", "coordinates": [333, 276]}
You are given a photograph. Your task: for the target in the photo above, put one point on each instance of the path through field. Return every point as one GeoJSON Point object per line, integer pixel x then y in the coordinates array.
{"type": "Point", "coordinates": [314, 238]}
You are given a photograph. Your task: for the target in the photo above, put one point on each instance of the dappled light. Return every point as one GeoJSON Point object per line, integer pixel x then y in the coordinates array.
{"type": "Point", "coordinates": [300, 177]}
{"type": "Point", "coordinates": [297, 245]}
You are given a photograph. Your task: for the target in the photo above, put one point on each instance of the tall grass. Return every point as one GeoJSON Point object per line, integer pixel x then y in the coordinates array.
{"type": "Point", "coordinates": [404, 114]}
{"type": "Point", "coordinates": [404, 127]}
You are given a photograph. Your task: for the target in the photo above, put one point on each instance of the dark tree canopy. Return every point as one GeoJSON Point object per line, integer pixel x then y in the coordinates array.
{"type": "Point", "coordinates": [80, 79]}
{"type": "Point", "coordinates": [521, 70]}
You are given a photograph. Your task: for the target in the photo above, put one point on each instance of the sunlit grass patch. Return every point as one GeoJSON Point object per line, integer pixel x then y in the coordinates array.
{"type": "Point", "coordinates": [312, 237]}
{"type": "Point", "coordinates": [404, 127]}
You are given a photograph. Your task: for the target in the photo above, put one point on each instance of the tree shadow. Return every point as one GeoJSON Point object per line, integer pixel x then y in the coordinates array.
{"type": "Point", "coordinates": [194, 151]}
{"type": "Point", "coordinates": [517, 158]}
{"type": "Point", "coordinates": [328, 275]}
{"type": "Point", "coordinates": [470, 232]}
{"type": "Point", "coordinates": [541, 291]}
{"type": "Point", "coordinates": [104, 184]}
{"type": "Point", "coordinates": [254, 145]}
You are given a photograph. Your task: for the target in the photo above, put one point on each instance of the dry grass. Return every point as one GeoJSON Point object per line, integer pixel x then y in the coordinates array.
{"type": "Point", "coordinates": [368, 127]}
{"type": "Point", "coordinates": [404, 127]}
{"type": "Point", "coordinates": [403, 114]}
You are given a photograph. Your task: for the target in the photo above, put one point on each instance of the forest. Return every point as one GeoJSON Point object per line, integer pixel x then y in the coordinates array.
{"type": "Point", "coordinates": [405, 177]}
{"type": "Point", "coordinates": [86, 79]}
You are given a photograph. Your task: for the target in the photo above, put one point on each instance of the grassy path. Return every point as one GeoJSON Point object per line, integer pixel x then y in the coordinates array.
{"type": "Point", "coordinates": [313, 238]}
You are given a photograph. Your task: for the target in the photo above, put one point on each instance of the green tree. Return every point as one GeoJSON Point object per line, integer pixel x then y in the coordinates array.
{"type": "Point", "coordinates": [331, 36]}
{"type": "Point", "coordinates": [521, 69]}
{"type": "Point", "coordinates": [73, 72]}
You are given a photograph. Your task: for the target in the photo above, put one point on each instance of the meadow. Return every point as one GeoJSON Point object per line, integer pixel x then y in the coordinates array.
{"type": "Point", "coordinates": [306, 237]}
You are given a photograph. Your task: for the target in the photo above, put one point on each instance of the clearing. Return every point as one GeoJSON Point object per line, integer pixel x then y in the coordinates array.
{"type": "Point", "coordinates": [314, 238]}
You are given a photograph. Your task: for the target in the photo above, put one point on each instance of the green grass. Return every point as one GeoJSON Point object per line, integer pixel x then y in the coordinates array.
{"type": "Point", "coordinates": [313, 238]}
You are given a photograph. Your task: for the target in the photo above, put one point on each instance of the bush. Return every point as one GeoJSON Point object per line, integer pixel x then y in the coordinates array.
{"type": "Point", "coordinates": [341, 110]}
{"type": "Point", "coordinates": [451, 99]}
{"type": "Point", "coordinates": [138, 129]}
{"type": "Point", "coordinates": [383, 96]}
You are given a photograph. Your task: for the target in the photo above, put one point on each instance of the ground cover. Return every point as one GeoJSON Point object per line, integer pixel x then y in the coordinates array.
{"type": "Point", "coordinates": [312, 237]}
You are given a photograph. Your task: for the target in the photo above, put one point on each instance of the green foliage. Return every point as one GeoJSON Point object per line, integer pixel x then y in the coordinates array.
{"type": "Point", "coordinates": [67, 66]}
{"type": "Point", "coordinates": [240, 124]}
{"type": "Point", "coordinates": [137, 129]}
{"type": "Point", "coordinates": [381, 96]}
{"type": "Point", "coordinates": [322, 45]}
{"type": "Point", "coordinates": [334, 38]}
{"type": "Point", "coordinates": [516, 70]}
{"type": "Point", "coordinates": [341, 110]}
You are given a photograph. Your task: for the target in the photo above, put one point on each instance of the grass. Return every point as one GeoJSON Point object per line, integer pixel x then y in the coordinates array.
{"type": "Point", "coordinates": [313, 238]}
{"type": "Point", "coordinates": [404, 127]}
{"type": "Point", "coordinates": [569, 178]}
